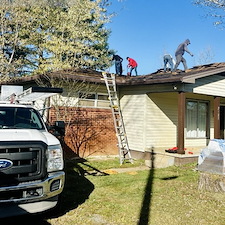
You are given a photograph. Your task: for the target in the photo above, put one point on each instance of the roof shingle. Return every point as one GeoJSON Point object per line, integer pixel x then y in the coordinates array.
{"type": "Point", "coordinates": [157, 77]}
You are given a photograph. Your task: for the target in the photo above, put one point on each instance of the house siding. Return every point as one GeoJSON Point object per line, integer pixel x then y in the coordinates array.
{"type": "Point", "coordinates": [212, 85]}
{"type": "Point", "coordinates": [133, 112]}
{"type": "Point", "coordinates": [151, 120]}
{"type": "Point", "coordinates": [161, 119]}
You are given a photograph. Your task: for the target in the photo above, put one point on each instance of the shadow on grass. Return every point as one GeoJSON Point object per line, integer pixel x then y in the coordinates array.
{"type": "Point", "coordinates": [77, 187]}
{"type": "Point", "coordinates": [169, 178]}
{"type": "Point", "coordinates": [76, 191]}
{"type": "Point", "coordinates": [146, 203]}
{"type": "Point", "coordinates": [25, 220]}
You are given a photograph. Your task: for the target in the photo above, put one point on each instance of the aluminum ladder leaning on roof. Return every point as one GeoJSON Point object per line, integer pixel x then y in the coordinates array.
{"type": "Point", "coordinates": [124, 151]}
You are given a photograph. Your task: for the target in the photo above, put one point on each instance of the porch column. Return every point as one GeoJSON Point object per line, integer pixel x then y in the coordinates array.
{"type": "Point", "coordinates": [217, 117]}
{"type": "Point", "coordinates": [181, 122]}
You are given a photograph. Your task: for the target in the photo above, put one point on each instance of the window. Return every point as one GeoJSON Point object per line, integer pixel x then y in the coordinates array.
{"type": "Point", "coordinates": [197, 119]}
{"type": "Point", "coordinates": [20, 118]}
{"type": "Point", "coordinates": [93, 100]}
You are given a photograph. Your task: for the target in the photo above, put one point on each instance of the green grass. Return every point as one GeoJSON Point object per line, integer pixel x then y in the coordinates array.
{"type": "Point", "coordinates": [156, 197]}
{"type": "Point", "coordinates": [93, 164]}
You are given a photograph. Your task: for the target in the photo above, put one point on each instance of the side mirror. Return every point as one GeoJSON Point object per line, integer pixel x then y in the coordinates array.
{"type": "Point", "coordinates": [60, 124]}
{"type": "Point", "coordinates": [59, 128]}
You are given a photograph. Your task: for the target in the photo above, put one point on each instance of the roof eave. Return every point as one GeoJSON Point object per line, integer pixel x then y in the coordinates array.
{"type": "Point", "coordinates": [192, 78]}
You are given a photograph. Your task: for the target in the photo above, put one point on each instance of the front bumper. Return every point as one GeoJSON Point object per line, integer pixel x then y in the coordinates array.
{"type": "Point", "coordinates": [31, 197]}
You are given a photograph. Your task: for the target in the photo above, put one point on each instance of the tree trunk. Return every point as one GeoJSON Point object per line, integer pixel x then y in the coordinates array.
{"type": "Point", "coordinates": [211, 182]}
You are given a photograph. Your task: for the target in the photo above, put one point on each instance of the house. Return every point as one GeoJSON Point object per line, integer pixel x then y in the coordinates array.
{"type": "Point", "coordinates": [183, 110]}
{"type": "Point", "coordinates": [160, 110]}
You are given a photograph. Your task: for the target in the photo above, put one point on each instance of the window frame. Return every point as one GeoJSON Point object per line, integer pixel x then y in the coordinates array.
{"type": "Point", "coordinates": [207, 125]}
{"type": "Point", "coordinates": [96, 101]}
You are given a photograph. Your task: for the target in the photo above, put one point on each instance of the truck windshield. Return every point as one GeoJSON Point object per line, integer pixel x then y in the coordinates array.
{"type": "Point", "coordinates": [20, 118]}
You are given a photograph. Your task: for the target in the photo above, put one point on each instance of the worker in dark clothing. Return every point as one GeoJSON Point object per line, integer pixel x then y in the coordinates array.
{"type": "Point", "coordinates": [182, 48]}
{"type": "Point", "coordinates": [118, 64]}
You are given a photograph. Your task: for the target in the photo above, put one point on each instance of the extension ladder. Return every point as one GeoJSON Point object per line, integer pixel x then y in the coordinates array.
{"type": "Point", "coordinates": [124, 151]}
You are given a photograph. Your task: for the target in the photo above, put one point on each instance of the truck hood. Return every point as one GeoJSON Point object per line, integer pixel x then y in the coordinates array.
{"type": "Point", "coordinates": [27, 135]}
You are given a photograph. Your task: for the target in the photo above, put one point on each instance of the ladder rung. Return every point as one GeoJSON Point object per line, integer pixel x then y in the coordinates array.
{"type": "Point", "coordinates": [115, 108]}
{"type": "Point", "coordinates": [124, 148]}
{"type": "Point", "coordinates": [124, 135]}
{"type": "Point", "coordinates": [119, 129]}
{"type": "Point", "coordinates": [110, 81]}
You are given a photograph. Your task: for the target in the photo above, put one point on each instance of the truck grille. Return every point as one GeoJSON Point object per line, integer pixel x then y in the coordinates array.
{"type": "Point", "coordinates": [28, 161]}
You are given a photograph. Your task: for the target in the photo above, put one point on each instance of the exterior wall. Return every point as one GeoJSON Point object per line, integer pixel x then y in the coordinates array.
{"type": "Point", "coordinates": [211, 85]}
{"type": "Point", "coordinates": [161, 120]}
{"type": "Point", "coordinates": [151, 119]}
{"type": "Point", "coordinates": [89, 131]}
{"type": "Point", "coordinates": [71, 97]}
{"type": "Point", "coordinates": [133, 112]}
{"type": "Point", "coordinates": [205, 88]}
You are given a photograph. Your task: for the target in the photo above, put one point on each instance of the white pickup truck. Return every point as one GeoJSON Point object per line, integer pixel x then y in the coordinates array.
{"type": "Point", "coordinates": [31, 162]}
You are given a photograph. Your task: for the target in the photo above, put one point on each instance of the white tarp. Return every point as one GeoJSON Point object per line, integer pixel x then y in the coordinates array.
{"type": "Point", "coordinates": [211, 158]}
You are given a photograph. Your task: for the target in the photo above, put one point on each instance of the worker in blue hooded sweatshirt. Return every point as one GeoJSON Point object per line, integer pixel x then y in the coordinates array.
{"type": "Point", "coordinates": [182, 48]}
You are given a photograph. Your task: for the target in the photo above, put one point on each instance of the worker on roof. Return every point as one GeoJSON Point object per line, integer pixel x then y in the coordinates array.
{"type": "Point", "coordinates": [182, 48]}
{"type": "Point", "coordinates": [118, 64]}
{"type": "Point", "coordinates": [168, 61]}
{"type": "Point", "coordinates": [132, 64]}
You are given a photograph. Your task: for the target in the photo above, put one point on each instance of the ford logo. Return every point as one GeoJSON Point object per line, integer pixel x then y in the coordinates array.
{"type": "Point", "coordinates": [5, 164]}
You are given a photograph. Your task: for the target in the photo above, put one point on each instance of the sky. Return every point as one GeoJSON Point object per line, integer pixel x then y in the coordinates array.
{"type": "Point", "coordinates": [145, 30]}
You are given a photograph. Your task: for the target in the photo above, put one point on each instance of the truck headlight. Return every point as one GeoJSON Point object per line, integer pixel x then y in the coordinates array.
{"type": "Point", "coordinates": [54, 158]}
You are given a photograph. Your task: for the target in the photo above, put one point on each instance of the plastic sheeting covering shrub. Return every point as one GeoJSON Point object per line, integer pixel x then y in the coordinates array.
{"type": "Point", "coordinates": [212, 158]}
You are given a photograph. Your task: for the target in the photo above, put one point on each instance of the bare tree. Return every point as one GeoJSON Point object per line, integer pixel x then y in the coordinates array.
{"type": "Point", "coordinates": [205, 56]}
{"type": "Point", "coordinates": [215, 10]}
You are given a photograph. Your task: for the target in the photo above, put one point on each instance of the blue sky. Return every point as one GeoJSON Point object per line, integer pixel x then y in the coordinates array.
{"type": "Point", "coordinates": [147, 29]}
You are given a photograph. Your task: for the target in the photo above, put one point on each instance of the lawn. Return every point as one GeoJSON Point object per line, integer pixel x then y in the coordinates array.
{"type": "Point", "coordinates": [95, 194]}
{"type": "Point", "coordinates": [157, 196]}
